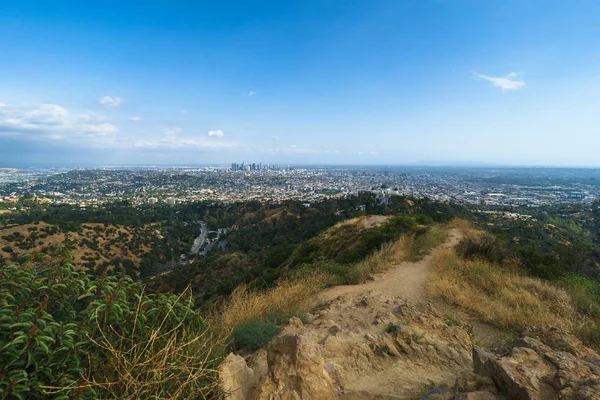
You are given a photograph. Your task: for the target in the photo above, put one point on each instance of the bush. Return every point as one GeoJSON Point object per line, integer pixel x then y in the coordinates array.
{"type": "Point", "coordinates": [255, 333]}
{"type": "Point", "coordinates": [64, 334]}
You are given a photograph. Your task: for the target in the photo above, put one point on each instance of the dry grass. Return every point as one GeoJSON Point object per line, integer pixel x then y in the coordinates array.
{"type": "Point", "coordinates": [408, 248]}
{"type": "Point", "coordinates": [173, 363]}
{"type": "Point", "coordinates": [424, 243]}
{"type": "Point", "coordinates": [389, 255]}
{"type": "Point", "coordinates": [287, 298]}
{"type": "Point", "coordinates": [467, 229]}
{"type": "Point", "coordinates": [176, 364]}
{"type": "Point", "coordinates": [499, 295]}
{"type": "Point", "coordinates": [166, 362]}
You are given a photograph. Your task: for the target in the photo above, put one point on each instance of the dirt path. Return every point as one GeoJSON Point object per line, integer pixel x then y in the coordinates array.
{"type": "Point", "coordinates": [384, 339]}
{"type": "Point", "coordinates": [407, 280]}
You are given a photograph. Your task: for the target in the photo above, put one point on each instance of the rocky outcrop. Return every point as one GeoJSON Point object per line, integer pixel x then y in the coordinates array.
{"type": "Point", "coordinates": [237, 379]}
{"type": "Point", "coordinates": [545, 363]}
{"type": "Point", "coordinates": [296, 370]}
{"type": "Point", "coordinates": [366, 347]}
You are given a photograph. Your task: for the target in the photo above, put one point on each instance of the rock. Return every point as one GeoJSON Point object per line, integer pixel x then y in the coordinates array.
{"type": "Point", "coordinates": [336, 345]}
{"type": "Point", "coordinates": [480, 395]}
{"type": "Point", "coordinates": [439, 393]}
{"type": "Point", "coordinates": [483, 361]}
{"type": "Point", "coordinates": [370, 337]}
{"type": "Point", "coordinates": [471, 382]}
{"type": "Point", "coordinates": [549, 364]}
{"type": "Point", "coordinates": [296, 371]}
{"type": "Point", "coordinates": [295, 322]}
{"type": "Point", "coordinates": [237, 379]}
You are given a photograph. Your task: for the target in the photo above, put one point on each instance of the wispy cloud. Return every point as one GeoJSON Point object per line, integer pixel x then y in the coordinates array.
{"type": "Point", "coordinates": [109, 101]}
{"type": "Point", "coordinates": [2, 105]}
{"type": "Point", "coordinates": [183, 111]}
{"type": "Point", "coordinates": [218, 133]}
{"type": "Point", "coordinates": [171, 130]}
{"type": "Point", "coordinates": [508, 82]}
{"type": "Point", "coordinates": [135, 119]}
{"type": "Point", "coordinates": [251, 93]}
{"type": "Point", "coordinates": [52, 121]}
{"type": "Point", "coordinates": [173, 140]}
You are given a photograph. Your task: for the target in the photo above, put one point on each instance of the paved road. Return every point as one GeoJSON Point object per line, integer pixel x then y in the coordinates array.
{"type": "Point", "coordinates": [200, 240]}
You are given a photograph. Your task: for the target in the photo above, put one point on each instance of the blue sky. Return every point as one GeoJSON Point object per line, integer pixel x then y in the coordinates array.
{"type": "Point", "coordinates": [329, 81]}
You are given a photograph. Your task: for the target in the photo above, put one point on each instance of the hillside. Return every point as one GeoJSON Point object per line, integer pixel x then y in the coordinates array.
{"type": "Point", "coordinates": [95, 247]}
{"type": "Point", "coordinates": [407, 333]}
{"type": "Point", "coordinates": [396, 305]}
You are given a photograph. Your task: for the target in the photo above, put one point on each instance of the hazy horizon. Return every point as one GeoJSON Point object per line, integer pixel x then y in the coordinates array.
{"type": "Point", "coordinates": [407, 83]}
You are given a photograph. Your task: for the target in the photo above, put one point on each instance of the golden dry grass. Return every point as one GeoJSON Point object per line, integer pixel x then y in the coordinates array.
{"type": "Point", "coordinates": [499, 295]}
{"type": "Point", "coordinates": [387, 256]}
{"type": "Point", "coordinates": [408, 248]}
{"type": "Point", "coordinates": [288, 298]}
{"type": "Point", "coordinates": [467, 229]}
{"type": "Point", "coordinates": [168, 365]}
{"type": "Point", "coordinates": [164, 363]}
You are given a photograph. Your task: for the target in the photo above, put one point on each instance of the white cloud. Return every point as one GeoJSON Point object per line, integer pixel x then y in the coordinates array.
{"type": "Point", "coordinates": [507, 82]}
{"type": "Point", "coordinates": [55, 122]}
{"type": "Point", "coordinates": [171, 130]}
{"type": "Point", "coordinates": [109, 101]}
{"type": "Point", "coordinates": [251, 93]}
{"type": "Point", "coordinates": [183, 111]}
{"type": "Point", "coordinates": [173, 140]}
{"type": "Point", "coordinates": [2, 105]}
{"type": "Point", "coordinates": [135, 119]}
{"type": "Point", "coordinates": [218, 133]}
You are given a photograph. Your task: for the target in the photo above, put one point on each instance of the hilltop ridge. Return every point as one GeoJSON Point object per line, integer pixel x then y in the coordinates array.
{"type": "Point", "coordinates": [392, 337]}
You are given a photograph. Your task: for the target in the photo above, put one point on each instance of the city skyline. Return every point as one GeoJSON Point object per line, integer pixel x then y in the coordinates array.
{"type": "Point", "coordinates": [313, 83]}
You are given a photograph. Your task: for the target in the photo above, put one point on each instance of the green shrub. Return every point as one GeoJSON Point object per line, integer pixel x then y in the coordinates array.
{"type": "Point", "coordinates": [392, 328]}
{"type": "Point", "coordinates": [69, 336]}
{"type": "Point", "coordinates": [255, 333]}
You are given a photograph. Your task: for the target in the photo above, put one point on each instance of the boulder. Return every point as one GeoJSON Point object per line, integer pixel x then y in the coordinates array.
{"type": "Point", "coordinates": [296, 370]}
{"type": "Point", "coordinates": [237, 379]}
{"type": "Point", "coordinates": [546, 363]}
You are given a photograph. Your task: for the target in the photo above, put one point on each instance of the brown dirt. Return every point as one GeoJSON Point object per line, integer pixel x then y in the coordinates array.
{"type": "Point", "coordinates": [407, 280]}
{"type": "Point", "coordinates": [365, 357]}
{"type": "Point", "coordinates": [375, 221]}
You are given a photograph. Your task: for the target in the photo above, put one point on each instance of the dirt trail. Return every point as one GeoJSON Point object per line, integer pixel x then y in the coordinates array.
{"type": "Point", "coordinates": [383, 339]}
{"type": "Point", "coordinates": [407, 280]}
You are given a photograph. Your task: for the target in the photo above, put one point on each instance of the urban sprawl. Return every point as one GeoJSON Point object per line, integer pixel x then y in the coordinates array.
{"type": "Point", "coordinates": [532, 187]}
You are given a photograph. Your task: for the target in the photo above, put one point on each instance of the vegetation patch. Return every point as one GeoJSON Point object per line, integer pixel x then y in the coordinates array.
{"type": "Point", "coordinates": [488, 278]}
{"type": "Point", "coordinates": [255, 333]}
{"type": "Point", "coordinates": [66, 335]}
{"type": "Point", "coordinates": [499, 295]}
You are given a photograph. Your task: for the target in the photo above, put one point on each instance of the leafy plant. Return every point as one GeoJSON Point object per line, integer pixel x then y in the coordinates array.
{"type": "Point", "coordinates": [65, 335]}
{"type": "Point", "coordinates": [255, 333]}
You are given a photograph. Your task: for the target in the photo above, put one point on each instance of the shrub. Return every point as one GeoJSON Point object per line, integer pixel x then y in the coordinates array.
{"type": "Point", "coordinates": [392, 328]}
{"type": "Point", "coordinates": [255, 333]}
{"type": "Point", "coordinates": [65, 334]}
